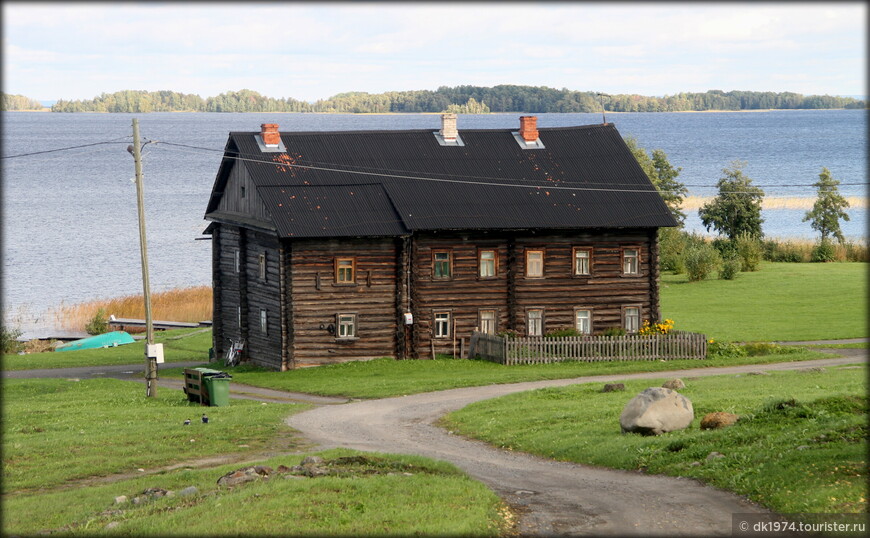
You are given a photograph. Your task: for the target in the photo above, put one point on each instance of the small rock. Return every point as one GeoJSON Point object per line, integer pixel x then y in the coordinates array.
{"type": "Point", "coordinates": [674, 384]}
{"type": "Point", "coordinates": [141, 470]}
{"type": "Point", "coordinates": [112, 525]}
{"type": "Point", "coordinates": [283, 469]}
{"type": "Point", "coordinates": [613, 387]}
{"type": "Point", "coordinates": [120, 499]}
{"type": "Point", "coordinates": [802, 447]}
{"type": "Point", "coordinates": [695, 464]}
{"type": "Point", "coordinates": [170, 493]}
{"type": "Point", "coordinates": [263, 470]}
{"type": "Point", "coordinates": [313, 460]}
{"type": "Point", "coordinates": [757, 373]}
{"type": "Point", "coordinates": [189, 490]}
{"type": "Point", "coordinates": [138, 500]}
{"type": "Point", "coordinates": [714, 456]}
{"type": "Point", "coordinates": [813, 370]}
{"type": "Point", "coordinates": [719, 419]}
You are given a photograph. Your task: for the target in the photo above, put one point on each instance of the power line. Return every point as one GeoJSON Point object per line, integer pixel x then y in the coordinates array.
{"type": "Point", "coordinates": [113, 141]}
{"type": "Point", "coordinates": [454, 179]}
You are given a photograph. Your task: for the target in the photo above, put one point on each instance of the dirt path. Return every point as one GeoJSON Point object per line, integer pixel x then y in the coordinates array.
{"type": "Point", "coordinates": [553, 498]}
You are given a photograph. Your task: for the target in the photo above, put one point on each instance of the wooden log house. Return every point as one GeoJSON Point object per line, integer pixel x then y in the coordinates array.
{"type": "Point", "coordinates": [336, 246]}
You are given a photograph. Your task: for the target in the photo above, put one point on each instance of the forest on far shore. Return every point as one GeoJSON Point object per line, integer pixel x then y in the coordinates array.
{"type": "Point", "coordinates": [460, 99]}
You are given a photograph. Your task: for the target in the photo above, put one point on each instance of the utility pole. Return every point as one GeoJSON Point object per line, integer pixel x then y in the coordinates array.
{"type": "Point", "coordinates": [150, 357]}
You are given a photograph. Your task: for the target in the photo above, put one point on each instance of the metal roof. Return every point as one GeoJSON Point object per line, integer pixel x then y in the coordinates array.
{"type": "Point", "coordinates": [363, 183]}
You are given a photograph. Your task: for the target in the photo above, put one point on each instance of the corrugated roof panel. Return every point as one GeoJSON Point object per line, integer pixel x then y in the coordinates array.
{"type": "Point", "coordinates": [584, 177]}
{"type": "Point", "coordinates": [332, 211]}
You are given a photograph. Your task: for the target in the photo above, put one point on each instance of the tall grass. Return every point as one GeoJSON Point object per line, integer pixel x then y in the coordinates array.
{"type": "Point", "coordinates": [801, 251]}
{"type": "Point", "coordinates": [180, 304]}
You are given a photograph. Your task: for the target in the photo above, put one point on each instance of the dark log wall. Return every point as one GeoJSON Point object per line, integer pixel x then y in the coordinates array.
{"type": "Point", "coordinates": [316, 299]}
{"type": "Point", "coordinates": [463, 295]}
{"type": "Point", "coordinates": [228, 294]}
{"type": "Point", "coordinates": [511, 293]}
{"type": "Point", "coordinates": [263, 295]}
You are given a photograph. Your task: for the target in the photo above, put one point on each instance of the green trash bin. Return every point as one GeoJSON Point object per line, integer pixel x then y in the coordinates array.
{"type": "Point", "coordinates": [217, 384]}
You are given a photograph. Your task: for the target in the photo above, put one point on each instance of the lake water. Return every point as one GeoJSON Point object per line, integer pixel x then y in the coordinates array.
{"type": "Point", "coordinates": [70, 228]}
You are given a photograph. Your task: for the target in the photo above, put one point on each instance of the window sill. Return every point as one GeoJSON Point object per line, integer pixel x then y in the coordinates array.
{"type": "Point", "coordinates": [347, 340]}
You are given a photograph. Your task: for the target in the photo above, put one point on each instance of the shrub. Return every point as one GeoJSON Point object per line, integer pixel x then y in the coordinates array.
{"type": "Point", "coordinates": [97, 324]}
{"type": "Point", "coordinates": [663, 327]}
{"type": "Point", "coordinates": [9, 339]}
{"type": "Point", "coordinates": [721, 350]}
{"type": "Point", "coordinates": [672, 246]}
{"type": "Point", "coordinates": [749, 249]}
{"type": "Point", "coordinates": [701, 261]}
{"type": "Point", "coordinates": [562, 332]}
{"type": "Point", "coordinates": [508, 333]}
{"type": "Point", "coordinates": [725, 247]}
{"type": "Point", "coordinates": [730, 268]}
{"type": "Point", "coordinates": [823, 252]}
{"type": "Point", "coordinates": [613, 331]}
{"type": "Point", "coordinates": [776, 251]}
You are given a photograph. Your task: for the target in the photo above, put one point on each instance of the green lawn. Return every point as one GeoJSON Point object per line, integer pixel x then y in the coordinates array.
{"type": "Point", "coordinates": [179, 345]}
{"type": "Point", "coordinates": [782, 301]}
{"type": "Point", "coordinates": [59, 436]}
{"type": "Point", "coordinates": [383, 378]}
{"type": "Point", "coordinates": [800, 446]}
{"type": "Point", "coordinates": [55, 430]}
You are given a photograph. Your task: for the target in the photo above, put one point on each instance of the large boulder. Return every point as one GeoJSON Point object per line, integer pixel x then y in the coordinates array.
{"type": "Point", "coordinates": [656, 410]}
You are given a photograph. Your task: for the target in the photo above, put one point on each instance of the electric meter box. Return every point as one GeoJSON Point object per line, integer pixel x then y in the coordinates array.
{"type": "Point", "coordinates": [154, 351]}
{"type": "Point", "coordinates": [409, 318]}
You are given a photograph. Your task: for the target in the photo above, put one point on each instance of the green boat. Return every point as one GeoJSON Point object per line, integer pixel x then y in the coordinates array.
{"type": "Point", "coordinates": [112, 339]}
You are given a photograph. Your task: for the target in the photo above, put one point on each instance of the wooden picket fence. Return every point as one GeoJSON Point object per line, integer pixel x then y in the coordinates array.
{"type": "Point", "coordinates": [540, 349]}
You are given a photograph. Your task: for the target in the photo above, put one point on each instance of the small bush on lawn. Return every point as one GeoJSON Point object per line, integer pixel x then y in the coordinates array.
{"type": "Point", "coordinates": [824, 252]}
{"type": "Point", "coordinates": [730, 268]}
{"type": "Point", "coordinates": [97, 324]}
{"type": "Point", "coordinates": [9, 339]}
{"type": "Point", "coordinates": [721, 350]}
{"type": "Point", "coordinates": [701, 261]}
{"type": "Point", "coordinates": [750, 251]}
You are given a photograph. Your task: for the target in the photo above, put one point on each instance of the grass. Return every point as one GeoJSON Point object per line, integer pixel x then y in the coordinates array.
{"type": "Point", "coordinates": [383, 378]}
{"type": "Point", "coordinates": [192, 305]}
{"type": "Point", "coordinates": [433, 498]}
{"type": "Point", "coordinates": [60, 436]}
{"type": "Point", "coordinates": [782, 301]}
{"type": "Point", "coordinates": [178, 345]}
{"type": "Point", "coordinates": [57, 430]}
{"type": "Point", "coordinates": [800, 445]}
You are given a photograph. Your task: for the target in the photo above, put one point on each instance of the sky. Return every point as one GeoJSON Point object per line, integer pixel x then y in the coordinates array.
{"type": "Point", "coordinates": [311, 50]}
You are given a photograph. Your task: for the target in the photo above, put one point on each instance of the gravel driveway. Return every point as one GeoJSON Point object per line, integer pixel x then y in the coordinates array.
{"type": "Point", "coordinates": [552, 498]}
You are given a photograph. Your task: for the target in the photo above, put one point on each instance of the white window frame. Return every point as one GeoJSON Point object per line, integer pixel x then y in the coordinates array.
{"type": "Point", "coordinates": [264, 322]}
{"type": "Point", "coordinates": [631, 261]}
{"type": "Point", "coordinates": [487, 268]}
{"type": "Point", "coordinates": [488, 325]}
{"type": "Point", "coordinates": [586, 260]}
{"type": "Point", "coordinates": [631, 318]}
{"type": "Point", "coordinates": [346, 326]}
{"type": "Point", "coordinates": [442, 324]}
{"type": "Point", "coordinates": [579, 318]}
{"type": "Point", "coordinates": [539, 273]}
{"type": "Point", "coordinates": [535, 322]}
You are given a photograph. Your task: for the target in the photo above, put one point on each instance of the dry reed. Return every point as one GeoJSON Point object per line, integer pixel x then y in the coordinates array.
{"type": "Point", "coordinates": [181, 304]}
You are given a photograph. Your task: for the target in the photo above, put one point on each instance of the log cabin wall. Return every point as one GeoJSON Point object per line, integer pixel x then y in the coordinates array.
{"type": "Point", "coordinates": [511, 293]}
{"type": "Point", "coordinates": [262, 304]}
{"type": "Point", "coordinates": [228, 296]}
{"type": "Point", "coordinates": [317, 299]}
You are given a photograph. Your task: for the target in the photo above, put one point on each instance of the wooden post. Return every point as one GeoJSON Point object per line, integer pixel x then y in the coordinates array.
{"type": "Point", "coordinates": [150, 362]}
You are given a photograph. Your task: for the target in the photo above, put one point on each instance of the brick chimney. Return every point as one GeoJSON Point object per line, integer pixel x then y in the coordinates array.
{"type": "Point", "coordinates": [448, 127]}
{"type": "Point", "coordinates": [529, 128]}
{"type": "Point", "coordinates": [269, 132]}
